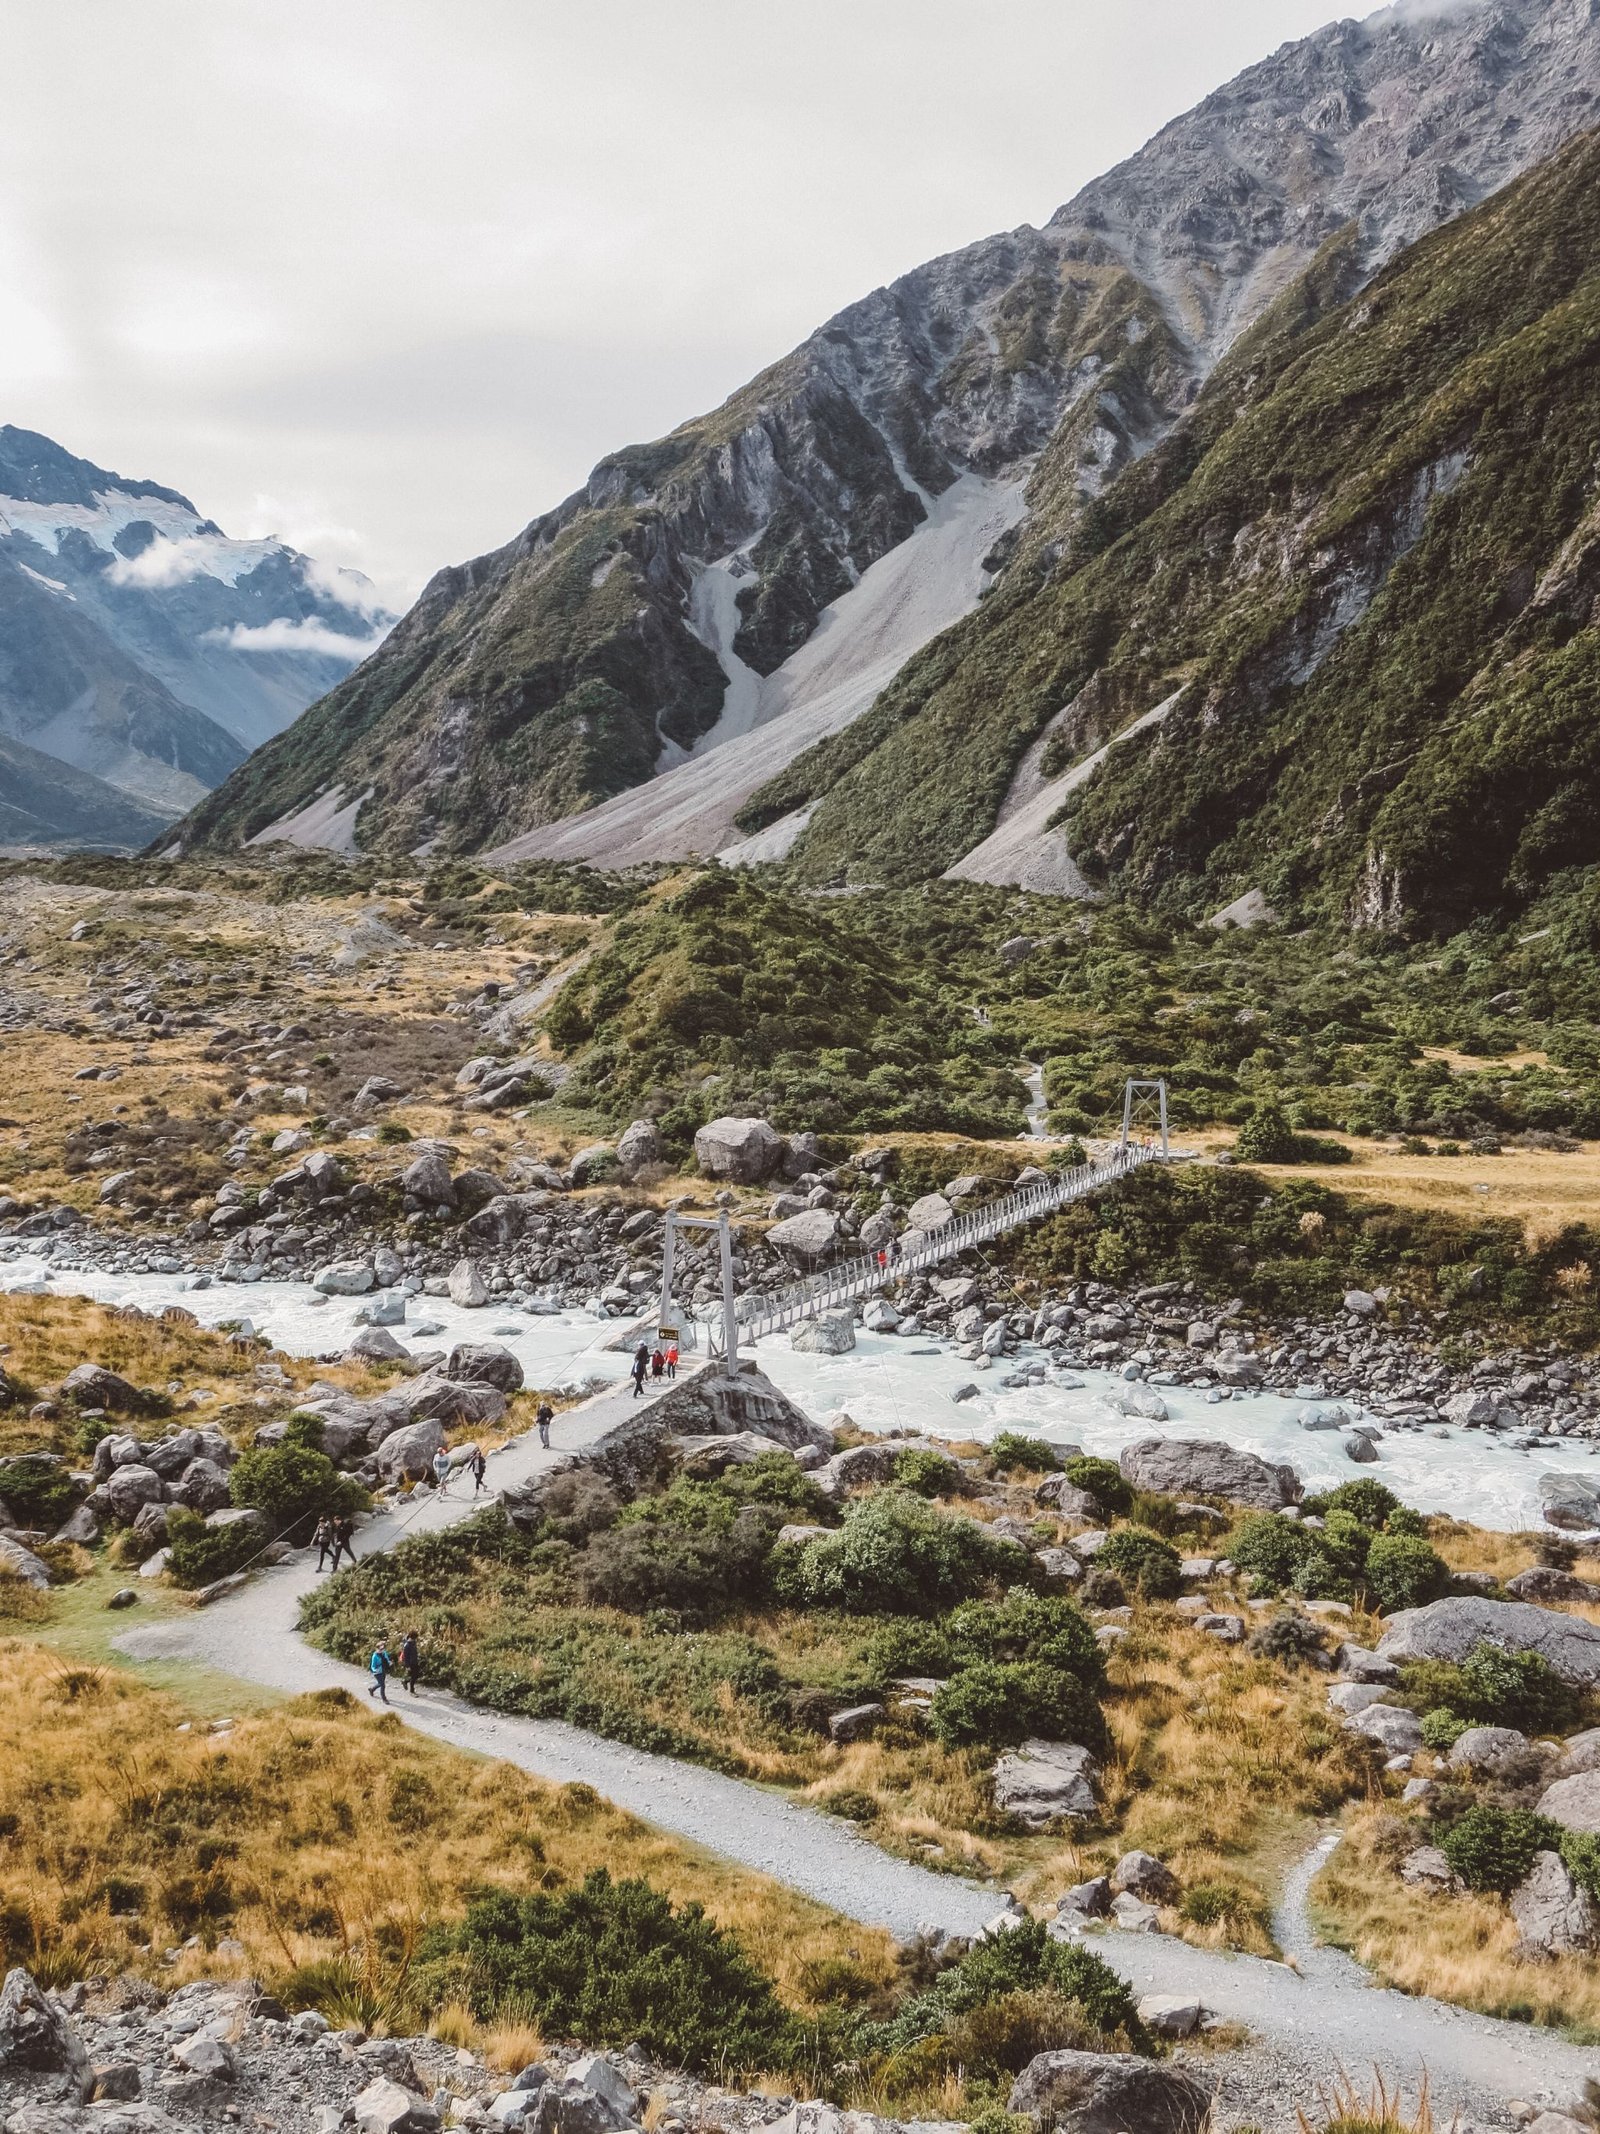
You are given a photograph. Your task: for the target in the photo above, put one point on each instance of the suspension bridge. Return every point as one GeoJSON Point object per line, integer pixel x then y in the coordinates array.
{"type": "Point", "coordinates": [853, 1280]}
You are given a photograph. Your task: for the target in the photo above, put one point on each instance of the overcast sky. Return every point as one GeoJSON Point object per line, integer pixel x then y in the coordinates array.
{"type": "Point", "coordinates": [387, 276]}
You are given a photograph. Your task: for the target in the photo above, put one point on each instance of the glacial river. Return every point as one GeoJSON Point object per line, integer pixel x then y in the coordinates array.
{"type": "Point", "coordinates": [890, 1384]}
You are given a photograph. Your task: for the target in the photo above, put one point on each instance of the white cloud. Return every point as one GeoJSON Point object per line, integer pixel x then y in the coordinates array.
{"type": "Point", "coordinates": [165, 563]}
{"type": "Point", "coordinates": [297, 634]}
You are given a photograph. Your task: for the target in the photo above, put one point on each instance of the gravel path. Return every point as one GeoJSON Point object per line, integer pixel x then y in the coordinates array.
{"type": "Point", "coordinates": [1312, 2023]}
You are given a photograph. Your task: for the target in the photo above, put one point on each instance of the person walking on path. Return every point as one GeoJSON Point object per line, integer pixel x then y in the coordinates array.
{"type": "Point", "coordinates": [480, 1468]}
{"type": "Point", "coordinates": [658, 1363]}
{"type": "Point", "coordinates": [672, 1359]}
{"type": "Point", "coordinates": [641, 1368]}
{"type": "Point", "coordinates": [410, 1660]}
{"type": "Point", "coordinates": [380, 1667]}
{"type": "Point", "coordinates": [344, 1538]}
{"type": "Point", "coordinates": [323, 1537]}
{"type": "Point", "coordinates": [441, 1472]}
{"type": "Point", "coordinates": [544, 1417]}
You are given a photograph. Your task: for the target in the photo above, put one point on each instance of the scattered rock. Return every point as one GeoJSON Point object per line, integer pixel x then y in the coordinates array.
{"type": "Point", "coordinates": [468, 1290]}
{"type": "Point", "coordinates": [1044, 1781]}
{"type": "Point", "coordinates": [1449, 1630]}
{"type": "Point", "coordinates": [742, 1152]}
{"type": "Point", "coordinates": [1102, 2093]}
{"type": "Point", "coordinates": [1143, 1875]}
{"type": "Point", "coordinates": [1199, 1467]}
{"type": "Point", "coordinates": [1426, 1867]}
{"type": "Point", "coordinates": [1574, 1802]}
{"type": "Point", "coordinates": [1554, 1917]}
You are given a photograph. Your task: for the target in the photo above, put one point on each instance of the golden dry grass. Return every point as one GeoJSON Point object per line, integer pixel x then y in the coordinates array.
{"type": "Point", "coordinates": [307, 1832]}
{"type": "Point", "coordinates": [1457, 1948]}
{"type": "Point", "coordinates": [1539, 1189]}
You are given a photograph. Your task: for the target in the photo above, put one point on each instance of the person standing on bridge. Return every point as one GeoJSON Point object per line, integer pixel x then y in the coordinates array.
{"type": "Point", "coordinates": [640, 1368]}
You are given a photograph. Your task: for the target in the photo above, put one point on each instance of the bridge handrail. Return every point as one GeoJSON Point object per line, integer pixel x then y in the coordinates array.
{"type": "Point", "coordinates": [848, 1281]}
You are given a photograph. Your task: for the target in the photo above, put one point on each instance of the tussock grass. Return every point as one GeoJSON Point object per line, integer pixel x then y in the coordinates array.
{"type": "Point", "coordinates": [320, 1837]}
{"type": "Point", "coordinates": [1457, 1948]}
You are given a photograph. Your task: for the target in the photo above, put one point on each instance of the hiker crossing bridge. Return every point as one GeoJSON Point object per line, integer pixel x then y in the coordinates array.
{"type": "Point", "coordinates": [853, 1280]}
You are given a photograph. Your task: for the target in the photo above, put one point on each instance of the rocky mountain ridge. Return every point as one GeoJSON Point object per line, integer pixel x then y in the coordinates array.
{"type": "Point", "coordinates": [594, 652]}
{"type": "Point", "coordinates": [139, 645]}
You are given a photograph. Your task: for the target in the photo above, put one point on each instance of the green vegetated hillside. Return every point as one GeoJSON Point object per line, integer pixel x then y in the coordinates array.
{"type": "Point", "coordinates": [1369, 555]}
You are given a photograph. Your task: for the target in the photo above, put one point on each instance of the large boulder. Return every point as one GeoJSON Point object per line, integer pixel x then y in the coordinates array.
{"type": "Point", "coordinates": [1141, 1874]}
{"type": "Point", "coordinates": [1554, 1916]}
{"type": "Point", "coordinates": [484, 1363]}
{"type": "Point", "coordinates": [502, 1220]}
{"type": "Point", "coordinates": [811, 1236]}
{"type": "Point", "coordinates": [1110, 2093]}
{"type": "Point", "coordinates": [1495, 1750]}
{"type": "Point", "coordinates": [1450, 1629]}
{"type": "Point", "coordinates": [172, 1454]}
{"type": "Point", "coordinates": [833, 1336]}
{"type": "Point", "coordinates": [36, 2038]}
{"type": "Point", "coordinates": [91, 1385]}
{"type": "Point", "coordinates": [19, 1562]}
{"type": "Point", "coordinates": [1394, 1729]}
{"type": "Point", "coordinates": [743, 1152]}
{"type": "Point", "coordinates": [1540, 1582]}
{"type": "Point", "coordinates": [1044, 1781]}
{"type": "Point", "coordinates": [128, 1489]}
{"type": "Point", "coordinates": [1579, 1752]}
{"type": "Point", "coordinates": [406, 1455]}
{"type": "Point", "coordinates": [1200, 1467]}
{"type": "Point", "coordinates": [931, 1212]}
{"type": "Point", "coordinates": [468, 1290]}
{"type": "Point", "coordinates": [436, 1396]}
{"type": "Point", "coordinates": [638, 1146]}
{"type": "Point", "coordinates": [1574, 1802]}
{"type": "Point", "coordinates": [1571, 1501]}
{"type": "Point", "coordinates": [427, 1178]}
{"type": "Point", "coordinates": [386, 2107]}
{"type": "Point", "coordinates": [344, 1278]}
{"type": "Point", "coordinates": [202, 1487]}
{"type": "Point", "coordinates": [711, 1404]}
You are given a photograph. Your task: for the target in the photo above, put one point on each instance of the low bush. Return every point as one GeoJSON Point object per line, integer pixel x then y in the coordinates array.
{"type": "Point", "coordinates": [198, 1554]}
{"type": "Point", "coordinates": [907, 1645]}
{"type": "Point", "coordinates": [1442, 1729]}
{"type": "Point", "coordinates": [1402, 1571]}
{"type": "Point", "coordinates": [1028, 1626]}
{"type": "Point", "coordinates": [1015, 1450]}
{"type": "Point", "coordinates": [773, 1479]}
{"type": "Point", "coordinates": [1493, 1687]}
{"type": "Point", "coordinates": [929, 1474]}
{"type": "Point", "coordinates": [1144, 1562]}
{"type": "Point", "coordinates": [38, 1491]}
{"type": "Point", "coordinates": [1493, 1848]}
{"type": "Point", "coordinates": [611, 1963]}
{"type": "Point", "coordinates": [670, 1562]}
{"type": "Point", "coordinates": [897, 1554]}
{"type": "Point", "coordinates": [1102, 1479]}
{"type": "Point", "coordinates": [1025, 1960]}
{"type": "Point", "coordinates": [1370, 1502]}
{"type": "Point", "coordinates": [291, 1485]}
{"type": "Point", "coordinates": [994, 1705]}
{"type": "Point", "coordinates": [1288, 1637]}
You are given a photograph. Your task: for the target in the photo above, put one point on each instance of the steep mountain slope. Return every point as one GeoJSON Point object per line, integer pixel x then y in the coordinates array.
{"type": "Point", "coordinates": [623, 629]}
{"type": "Point", "coordinates": [45, 803]}
{"type": "Point", "coordinates": [1358, 584]}
{"type": "Point", "coordinates": [141, 644]}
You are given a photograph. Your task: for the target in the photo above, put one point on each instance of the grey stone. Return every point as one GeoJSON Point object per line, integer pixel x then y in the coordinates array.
{"type": "Point", "coordinates": [741, 1152]}
{"type": "Point", "coordinates": [375, 1344]}
{"type": "Point", "coordinates": [833, 1336]}
{"type": "Point", "coordinates": [1134, 1916]}
{"type": "Point", "coordinates": [1449, 1630]}
{"type": "Point", "coordinates": [407, 1454]}
{"type": "Point", "coordinates": [467, 1287]}
{"type": "Point", "coordinates": [1357, 1664]}
{"type": "Point", "coordinates": [344, 1278]}
{"type": "Point", "coordinates": [386, 2107]}
{"type": "Point", "coordinates": [1492, 1749]}
{"type": "Point", "coordinates": [485, 1363]}
{"type": "Point", "coordinates": [1110, 2093]}
{"type": "Point", "coordinates": [91, 1385]}
{"type": "Point", "coordinates": [597, 2075]}
{"type": "Point", "coordinates": [931, 1212]}
{"type": "Point", "coordinates": [1170, 2015]}
{"type": "Point", "coordinates": [1185, 1467]}
{"type": "Point", "coordinates": [1088, 1900]}
{"type": "Point", "coordinates": [1390, 1726]}
{"type": "Point", "coordinates": [1579, 1752]}
{"type": "Point", "coordinates": [638, 1146]}
{"type": "Point", "coordinates": [36, 2038]}
{"type": "Point", "coordinates": [19, 1562]}
{"type": "Point", "coordinates": [1570, 1501]}
{"type": "Point", "coordinates": [427, 1178]}
{"type": "Point", "coordinates": [1540, 1583]}
{"type": "Point", "coordinates": [127, 1489]}
{"type": "Point", "coordinates": [859, 1723]}
{"type": "Point", "coordinates": [1574, 1802]}
{"type": "Point", "coordinates": [1554, 1916]}
{"type": "Point", "coordinates": [806, 1237]}
{"type": "Point", "coordinates": [1141, 1874]}
{"type": "Point", "coordinates": [1425, 1867]}
{"type": "Point", "coordinates": [1360, 1449]}
{"type": "Point", "coordinates": [1044, 1781]}
{"type": "Point", "coordinates": [208, 2055]}
{"type": "Point", "coordinates": [1059, 1564]}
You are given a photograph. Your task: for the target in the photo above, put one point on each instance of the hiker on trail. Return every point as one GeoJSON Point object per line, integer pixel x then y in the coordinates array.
{"type": "Point", "coordinates": [410, 1660]}
{"type": "Point", "coordinates": [323, 1538]}
{"type": "Point", "coordinates": [380, 1667]}
{"type": "Point", "coordinates": [441, 1472]}
{"type": "Point", "coordinates": [344, 1538]}
{"type": "Point", "coordinates": [658, 1364]}
{"type": "Point", "coordinates": [480, 1468]}
{"type": "Point", "coordinates": [640, 1368]}
{"type": "Point", "coordinates": [672, 1359]}
{"type": "Point", "coordinates": [544, 1417]}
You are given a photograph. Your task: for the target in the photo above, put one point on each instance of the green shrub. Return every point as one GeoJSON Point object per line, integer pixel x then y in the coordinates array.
{"type": "Point", "coordinates": [1519, 1689]}
{"type": "Point", "coordinates": [38, 1490]}
{"type": "Point", "coordinates": [1442, 1729]}
{"type": "Point", "coordinates": [1017, 1450]}
{"type": "Point", "coordinates": [673, 1561]}
{"type": "Point", "coordinates": [1028, 1626]}
{"type": "Point", "coordinates": [1144, 1562]}
{"type": "Point", "coordinates": [1402, 1571]}
{"type": "Point", "coordinates": [1025, 1960]}
{"type": "Point", "coordinates": [1271, 1549]}
{"type": "Point", "coordinates": [1212, 1904]}
{"type": "Point", "coordinates": [994, 1705]}
{"type": "Point", "coordinates": [907, 1645]}
{"type": "Point", "coordinates": [1370, 1501]}
{"type": "Point", "coordinates": [611, 1963]}
{"type": "Point", "coordinates": [1266, 1136]}
{"type": "Point", "coordinates": [897, 1554]}
{"type": "Point", "coordinates": [772, 1478]}
{"type": "Point", "coordinates": [1286, 1636]}
{"type": "Point", "coordinates": [1493, 1848]}
{"type": "Point", "coordinates": [1102, 1479]}
{"type": "Point", "coordinates": [929, 1474]}
{"type": "Point", "coordinates": [1580, 1849]}
{"type": "Point", "coordinates": [292, 1486]}
{"type": "Point", "coordinates": [200, 1554]}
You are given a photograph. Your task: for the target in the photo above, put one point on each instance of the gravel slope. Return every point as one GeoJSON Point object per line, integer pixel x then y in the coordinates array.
{"type": "Point", "coordinates": [1311, 2024]}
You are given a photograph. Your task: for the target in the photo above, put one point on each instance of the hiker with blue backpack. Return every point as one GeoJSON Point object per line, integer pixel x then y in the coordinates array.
{"type": "Point", "coordinates": [380, 1667]}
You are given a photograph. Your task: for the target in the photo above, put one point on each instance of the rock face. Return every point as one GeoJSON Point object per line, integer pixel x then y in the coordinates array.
{"type": "Point", "coordinates": [1570, 1501]}
{"type": "Point", "coordinates": [1044, 1781]}
{"type": "Point", "coordinates": [638, 1146]}
{"type": "Point", "coordinates": [407, 1455]}
{"type": "Point", "coordinates": [1109, 2093]}
{"type": "Point", "coordinates": [1449, 1629]}
{"type": "Point", "coordinates": [1555, 1917]}
{"type": "Point", "coordinates": [484, 1363]}
{"type": "Point", "coordinates": [743, 1152]}
{"type": "Point", "coordinates": [806, 1237]}
{"type": "Point", "coordinates": [35, 2038]}
{"type": "Point", "coordinates": [958, 373]}
{"type": "Point", "coordinates": [1199, 1467]}
{"type": "Point", "coordinates": [1495, 1750]}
